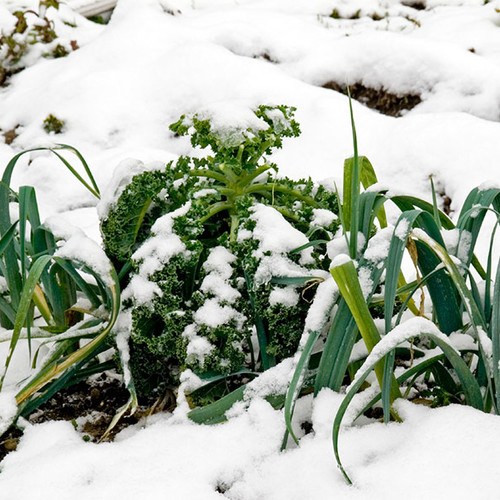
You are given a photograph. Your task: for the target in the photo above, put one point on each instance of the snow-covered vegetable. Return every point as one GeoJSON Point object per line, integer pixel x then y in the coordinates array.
{"type": "Point", "coordinates": [32, 35]}
{"type": "Point", "coordinates": [221, 263]}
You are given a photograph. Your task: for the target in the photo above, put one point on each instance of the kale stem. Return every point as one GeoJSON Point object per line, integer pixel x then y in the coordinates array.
{"type": "Point", "coordinates": [256, 188]}
{"type": "Point", "coordinates": [209, 174]}
{"type": "Point", "coordinates": [216, 208]}
{"type": "Point", "coordinates": [261, 150]}
{"type": "Point", "coordinates": [258, 171]}
{"type": "Point", "coordinates": [240, 153]}
{"type": "Point", "coordinates": [235, 222]}
{"type": "Point", "coordinates": [229, 175]}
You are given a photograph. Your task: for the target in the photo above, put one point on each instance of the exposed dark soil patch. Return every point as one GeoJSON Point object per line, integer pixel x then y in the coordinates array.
{"type": "Point", "coordinates": [380, 99]}
{"type": "Point", "coordinates": [10, 136]}
{"type": "Point", "coordinates": [446, 202]}
{"type": "Point", "coordinates": [94, 403]}
{"type": "Point", "coordinates": [266, 57]}
{"type": "Point", "coordinates": [417, 5]}
{"type": "Point", "coordinates": [307, 427]}
{"type": "Point", "coordinates": [9, 442]}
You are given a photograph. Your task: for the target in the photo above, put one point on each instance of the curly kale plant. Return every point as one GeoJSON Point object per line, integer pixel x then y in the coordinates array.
{"type": "Point", "coordinates": [219, 255]}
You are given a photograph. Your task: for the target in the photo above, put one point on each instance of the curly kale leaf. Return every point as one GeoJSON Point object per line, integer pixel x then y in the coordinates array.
{"type": "Point", "coordinates": [241, 148]}
{"type": "Point", "coordinates": [149, 195]}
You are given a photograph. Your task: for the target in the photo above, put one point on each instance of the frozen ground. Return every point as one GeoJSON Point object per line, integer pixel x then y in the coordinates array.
{"type": "Point", "coordinates": [158, 59]}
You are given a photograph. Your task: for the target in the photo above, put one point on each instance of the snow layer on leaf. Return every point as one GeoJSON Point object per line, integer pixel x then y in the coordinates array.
{"type": "Point", "coordinates": [274, 381]}
{"type": "Point", "coordinates": [323, 217]}
{"type": "Point", "coordinates": [213, 314]}
{"type": "Point", "coordinates": [154, 253]}
{"type": "Point", "coordinates": [405, 331]}
{"type": "Point", "coordinates": [122, 176]}
{"type": "Point", "coordinates": [319, 311]}
{"type": "Point", "coordinates": [286, 296]}
{"type": "Point", "coordinates": [74, 245]}
{"type": "Point", "coordinates": [198, 347]}
{"type": "Point", "coordinates": [277, 237]}
{"type": "Point", "coordinates": [274, 233]}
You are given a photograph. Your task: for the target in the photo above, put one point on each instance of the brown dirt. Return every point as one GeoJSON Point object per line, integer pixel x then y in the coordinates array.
{"type": "Point", "coordinates": [415, 4]}
{"type": "Point", "coordinates": [380, 99]}
{"type": "Point", "coordinates": [93, 403]}
{"type": "Point", "coordinates": [10, 136]}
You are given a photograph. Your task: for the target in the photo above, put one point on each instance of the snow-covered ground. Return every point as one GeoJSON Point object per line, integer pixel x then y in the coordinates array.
{"type": "Point", "coordinates": [158, 59]}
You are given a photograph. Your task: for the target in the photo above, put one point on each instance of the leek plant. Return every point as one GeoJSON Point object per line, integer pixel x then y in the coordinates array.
{"type": "Point", "coordinates": [52, 293]}
{"type": "Point", "coordinates": [464, 302]}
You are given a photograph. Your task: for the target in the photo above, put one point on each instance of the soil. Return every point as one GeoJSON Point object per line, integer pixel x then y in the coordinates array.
{"type": "Point", "coordinates": [90, 405]}
{"type": "Point", "coordinates": [380, 99]}
{"type": "Point", "coordinates": [415, 4]}
{"type": "Point", "coordinates": [10, 136]}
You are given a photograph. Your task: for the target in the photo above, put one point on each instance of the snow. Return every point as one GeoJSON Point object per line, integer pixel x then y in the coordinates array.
{"type": "Point", "coordinates": [322, 217]}
{"type": "Point", "coordinates": [286, 296]}
{"type": "Point", "coordinates": [153, 254]}
{"type": "Point", "coordinates": [8, 409]}
{"type": "Point", "coordinates": [198, 347]}
{"type": "Point", "coordinates": [75, 245]}
{"type": "Point", "coordinates": [122, 176]}
{"type": "Point", "coordinates": [325, 297]}
{"type": "Point", "coordinates": [212, 314]}
{"type": "Point", "coordinates": [159, 59]}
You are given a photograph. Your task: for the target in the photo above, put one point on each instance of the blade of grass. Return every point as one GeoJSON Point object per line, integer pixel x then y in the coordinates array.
{"type": "Point", "coordinates": [79, 281]}
{"type": "Point", "coordinates": [266, 359]}
{"type": "Point", "coordinates": [435, 209]}
{"type": "Point", "coordinates": [352, 215]}
{"type": "Point", "coordinates": [7, 237]}
{"type": "Point", "coordinates": [84, 164]}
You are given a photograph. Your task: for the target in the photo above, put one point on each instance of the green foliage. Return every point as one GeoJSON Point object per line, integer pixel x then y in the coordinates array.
{"type": "Point", "coordinates": [31, 28]}
{"type": "Point", "coordinates": [198, 261]}
{"type": "Point", "coordinates": [447, 351]}
{"type": "Point", "coordinates": [51, 293]}
{"type": "Point", "coordinates": [458, 320]}
{"type": "Point", "coordinates": [51, 124]}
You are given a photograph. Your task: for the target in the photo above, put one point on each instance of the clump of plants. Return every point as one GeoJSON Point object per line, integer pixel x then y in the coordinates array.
{"type": "Point", "coordinates": [218, 254]}
{"type": "Point", "coordinates": [53, 125]}
{"type": "Point", "coordinates": [445, 346]}
{"type": "Point", "coordinates": [57, 288]}
{"type": "Point", "coordinates": [370, 331]}
{"type": "Point", "coordinates": [248, 284]}
{"type": "Point", "coordinates": [31, 29]}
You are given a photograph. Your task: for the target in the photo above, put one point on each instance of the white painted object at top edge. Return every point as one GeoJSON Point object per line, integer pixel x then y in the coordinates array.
{"type": "Point", "coordinates": [90, 8]}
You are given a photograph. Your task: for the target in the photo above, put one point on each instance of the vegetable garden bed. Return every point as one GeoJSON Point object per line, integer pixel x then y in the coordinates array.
{"type": "Point", "coordinates": [212, 281]}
